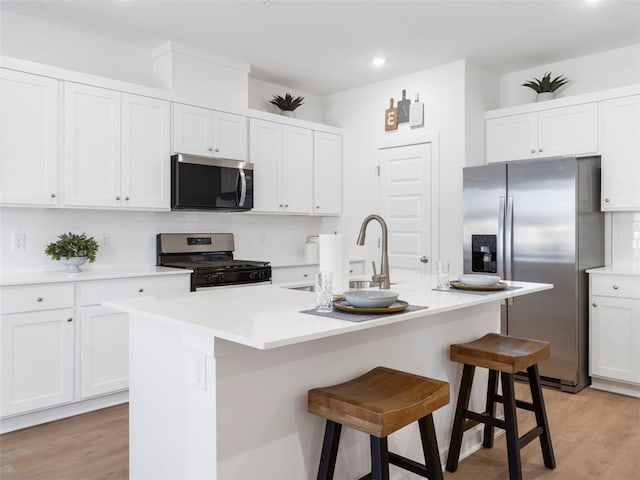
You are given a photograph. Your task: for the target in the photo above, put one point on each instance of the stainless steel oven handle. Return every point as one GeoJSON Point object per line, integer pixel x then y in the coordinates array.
{"type": "Point", "coordinates": [243, 188]}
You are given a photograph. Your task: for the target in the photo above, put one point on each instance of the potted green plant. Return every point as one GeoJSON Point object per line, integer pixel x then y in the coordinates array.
{"type": "Point", "coordinates": [287, 104]}
{"type": "Point", "coordinates": [546, 86]}
{"type": "Point", "coordinates": [73, 250]}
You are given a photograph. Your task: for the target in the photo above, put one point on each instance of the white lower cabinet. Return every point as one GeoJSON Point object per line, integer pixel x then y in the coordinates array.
{"type": "Point", "coordinates": [62, 353]}
{"type": "Point", "coordinates": [37, 360]}
{"type": "Point", "coordinates": [615, 333]}
{"type": "Point", "coordinates": [104, 351]}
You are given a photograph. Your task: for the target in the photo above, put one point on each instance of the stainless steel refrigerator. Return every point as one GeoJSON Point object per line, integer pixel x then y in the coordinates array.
{"type": "Point", "coordinates": [540, 221]}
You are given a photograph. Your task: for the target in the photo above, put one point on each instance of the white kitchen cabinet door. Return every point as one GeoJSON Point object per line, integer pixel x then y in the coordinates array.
{"type": "Point", "coordinates": [200, 131]}
{"type": "Point", "coordinates": [621, 154]}
{"type": "Point", "coordinates": [230, 136]}
{"type": "Point", "coordinates": [568, 130]}
{"type": "Point", "coordinates": [29, 106]}
{"type": "Point", "coordinates": [145, 152]}
{"type": "Point", "coordinates": [104, 351]}
{"type": "Point", "coordinates": [192, 130]}
{"type": "Point", "coordinates": [514, 137]}
{"type": "Point", "coordinates": [265, 150]}
{"type": "Point", "coordinates": [297, 170]}
{"type": "Point", "coordinates": [37, 360]}
{"type": "Point", "coordinates": [615, 338]}
{"type": "Point", "coordinates": [92, 146]}
{"type": "Point", "coordinates": [327, 173]}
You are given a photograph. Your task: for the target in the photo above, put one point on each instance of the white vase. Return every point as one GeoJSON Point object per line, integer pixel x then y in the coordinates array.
{"type": "Point", "coordinates": [541, 97]}
{"type": "Point", "coordinates": [288, 113]}
{"type": "Point", "coordinates": [73, 263]}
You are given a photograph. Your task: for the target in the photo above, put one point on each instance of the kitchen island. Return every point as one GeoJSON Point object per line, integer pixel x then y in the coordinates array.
{"type": "Point", "coordinates": [218, 378]}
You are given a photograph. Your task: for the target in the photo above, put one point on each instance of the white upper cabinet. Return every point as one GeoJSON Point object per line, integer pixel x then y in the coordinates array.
{"type": "Point", "coordinates": [116, 149]}
{"type": "Point", "coordinates": [200, 131]}
{"type": "Point", "coordinates": [327, 173]}
{"type": "Point", "coordinates": [91, 146]}
{"type": "Point", "coordinates": [283, 167]}
{"type": "Point", "coordinates": [28, 139]}
{"type": "Point", "coordinates": [146, 181]}
{"type": "Point", "coordinates": [571, 130]}
{"type": "Point", "coordinates": [621, 153]}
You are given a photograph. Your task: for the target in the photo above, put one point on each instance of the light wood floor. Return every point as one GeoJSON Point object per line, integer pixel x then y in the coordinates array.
{"type": "Point", "coordinates": [596, 436]}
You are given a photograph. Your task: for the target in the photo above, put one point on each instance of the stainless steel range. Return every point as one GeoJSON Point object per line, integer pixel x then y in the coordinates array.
{"type": "Point", "coordinates": [210, 256]}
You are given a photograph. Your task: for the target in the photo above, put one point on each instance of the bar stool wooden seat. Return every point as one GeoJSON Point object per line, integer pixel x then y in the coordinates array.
{"type": "Point", "coordinates": [506, 355]}
{"type": "Point", "coordinates": [379, 403]}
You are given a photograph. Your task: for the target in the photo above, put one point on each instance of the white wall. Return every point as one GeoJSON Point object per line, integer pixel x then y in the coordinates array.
{"type": "Point", "coordinates": [41, 42]}
{"type": "Point", "coordinates": [600, 71]}
{"type": "Point", "coordinates": [360, 112]}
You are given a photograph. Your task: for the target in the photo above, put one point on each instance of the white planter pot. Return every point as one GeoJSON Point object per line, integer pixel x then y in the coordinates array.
{"type": "Point", "coordinates": [541, 97]}
{"type": "Point", "coordinates": [288, 113]}
{"type": "Point", "coordinates": [73, 263]}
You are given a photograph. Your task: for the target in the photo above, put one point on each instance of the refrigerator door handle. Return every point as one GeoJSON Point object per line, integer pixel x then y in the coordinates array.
{"type": "Point", "coordinates": [508, 243]}
{"type": "Point", "coordinates": [501, 238]}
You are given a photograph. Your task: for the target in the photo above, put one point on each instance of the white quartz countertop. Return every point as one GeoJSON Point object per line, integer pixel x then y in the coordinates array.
{"type": "Point", "coordinates": [630, 270]}
{"type": "Point", "coordinates": [301, 262]}
{"type": "Point", "coordinates": [269, 316]}
{"type": "Point", "coordinates": [31, 278]}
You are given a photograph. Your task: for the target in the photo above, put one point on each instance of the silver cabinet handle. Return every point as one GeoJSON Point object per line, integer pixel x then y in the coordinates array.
{"type": "Point", "coordinates": [606, 200]}
{"type": "Point", "coordinates": [140, 290]}
{"type": "Point", "coordinates": [305, 275]}
{"type": "Point", "coordinates": [424, 259]}
{"type": "Point", "coordinates": [126, 199]}
{"type": "Point", "coordinates": [286, 206]}
{"type": "Point", "coordinates": [39, 299]}
{"type": "Point", "coordinates": [209, 149]}
{"type": "Point", "coordinates": [280, 205]}
{"type": "Point", "coordinates": [317, 207]}
{"type": "Point", "coordinates": [615, 287]}
{"type": "Point", "coordinates": [540, 150]}
{"type": "Point", "coordinates": [533, 150]}
{"type": "Point", "coordinates": [118, 198]}
{"type": "Point", "coordinates": [69, 319]}
{"type": "Point", "coordinates": [53, 195]}
{"type": "Point", "coordinates": [216, 149]}
{"type": "Point", "coordinates": [594, 304]}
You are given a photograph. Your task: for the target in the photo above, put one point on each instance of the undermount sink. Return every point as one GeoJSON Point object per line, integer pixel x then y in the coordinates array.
{"type": "Point", "coordinates": [353, 285]}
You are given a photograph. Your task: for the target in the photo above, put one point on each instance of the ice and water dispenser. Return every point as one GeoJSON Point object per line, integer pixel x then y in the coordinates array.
{"type": "Point", "coordinates": [484, 254]}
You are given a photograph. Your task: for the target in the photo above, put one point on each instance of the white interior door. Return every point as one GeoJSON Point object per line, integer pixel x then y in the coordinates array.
{"type": "Point", "coordinates": [405, 204]}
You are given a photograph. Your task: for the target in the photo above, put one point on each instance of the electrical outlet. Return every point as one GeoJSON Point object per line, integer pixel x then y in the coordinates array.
{"type": "Point", "coordinates": [18, 242]}
{"type": "Point", "coordinates": [199, 365]}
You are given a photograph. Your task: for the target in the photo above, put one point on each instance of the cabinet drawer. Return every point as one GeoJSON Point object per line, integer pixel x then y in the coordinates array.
{"type": "Point", "coordinates": [32, 298]}
{"type": "Point", "coordinates": [293, 274]}
{"type": "Point", "coordinates": [615, 286]}
{"type": "Point", "coordinates": [92, 293]}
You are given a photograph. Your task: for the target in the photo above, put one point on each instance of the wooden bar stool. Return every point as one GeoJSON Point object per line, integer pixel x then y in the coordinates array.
{"type": "Point", "coordinates": [507, 355]}
{"type": "Point", "coordinates": [378, 403]}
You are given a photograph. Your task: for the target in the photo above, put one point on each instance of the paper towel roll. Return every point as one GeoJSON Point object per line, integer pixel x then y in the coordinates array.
{"type": "Point", "coordinates": [334, 257]}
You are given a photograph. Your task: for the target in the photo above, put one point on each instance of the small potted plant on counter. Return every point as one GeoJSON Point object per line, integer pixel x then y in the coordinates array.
{"type": "Point", "coordinates": [73, 250]}
{"type": "Point", "coordinates": [546, 86]}
{"type": "Point", "coordinates": [287, 104]}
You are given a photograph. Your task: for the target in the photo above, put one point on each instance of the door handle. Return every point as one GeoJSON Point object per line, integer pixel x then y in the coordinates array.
{"type": "Point", "coordinates": [243, 188]}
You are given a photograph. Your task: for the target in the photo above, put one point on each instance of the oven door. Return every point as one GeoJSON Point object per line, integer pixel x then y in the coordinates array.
{"type": "Point", "coordinates": [205, 183]}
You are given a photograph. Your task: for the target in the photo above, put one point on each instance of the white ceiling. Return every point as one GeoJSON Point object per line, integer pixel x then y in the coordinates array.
{"type": "Point", "coordinates": [326, 46]}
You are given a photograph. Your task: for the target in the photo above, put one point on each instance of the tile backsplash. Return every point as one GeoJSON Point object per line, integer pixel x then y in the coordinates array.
{"type": "Point", "coordinates": [625, 239]}
{"type": "Point", "coordinates": [130, 236]}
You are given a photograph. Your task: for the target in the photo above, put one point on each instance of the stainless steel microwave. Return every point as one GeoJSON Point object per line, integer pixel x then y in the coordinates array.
{"type": "Point", "coordinates": [206, 183]}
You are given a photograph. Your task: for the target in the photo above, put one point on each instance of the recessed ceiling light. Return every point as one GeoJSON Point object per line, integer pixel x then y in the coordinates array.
{"type": "Point", "coordinates": [378, 62]}
{"type": "Point", "coordinates": [266, 3]}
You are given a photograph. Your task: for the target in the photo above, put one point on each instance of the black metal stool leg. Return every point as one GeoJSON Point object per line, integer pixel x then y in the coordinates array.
{"type": "Point", "coordinates": [430, 448]}
{"type": "Point", "coordinates": [511, 424]}
{"type": "Point", "coordinates": [492, 391]}
{"type": "Point", "coordinates": [541, 417]}
{"type": "Point", "coordinates": [458, 420]}
{"type": "Point", "coordinates": [379, 458]}
{"type": "Point", "coordinates": [329, 450]}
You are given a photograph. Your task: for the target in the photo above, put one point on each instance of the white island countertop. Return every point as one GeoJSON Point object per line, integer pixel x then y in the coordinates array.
{"type": "Point", "coordinates": [269, 316]}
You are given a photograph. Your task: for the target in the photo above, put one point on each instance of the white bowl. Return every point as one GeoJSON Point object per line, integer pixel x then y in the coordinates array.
{"type": "Point", "coordinates": [370, 298]}
{"type": "Point", "coordinates": [479, 280]}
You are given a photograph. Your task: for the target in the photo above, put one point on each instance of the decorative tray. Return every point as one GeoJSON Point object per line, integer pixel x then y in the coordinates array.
{"type": "Point", "coordinates": [462, 286]}
{"type": "Point", "coordinates": [398, 306]}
